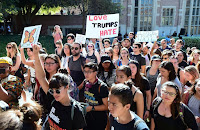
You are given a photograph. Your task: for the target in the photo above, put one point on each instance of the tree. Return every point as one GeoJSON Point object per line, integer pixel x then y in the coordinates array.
{"type": "Point", "coordinates": [96, 7]}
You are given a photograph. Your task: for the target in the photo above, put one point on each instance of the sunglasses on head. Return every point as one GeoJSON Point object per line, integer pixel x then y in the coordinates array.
{"type": "Point", "coordinates": [76, 48]}
{"type": "Point", "coordinates": [8, 47]}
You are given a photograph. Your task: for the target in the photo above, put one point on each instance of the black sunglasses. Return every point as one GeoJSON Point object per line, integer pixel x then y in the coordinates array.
{"type": "Point", "coordinates": [51, 91]}
{"type": "Point", "coordinates": [8, 47]}
{"type": "Point", "coordinates": [76, 48]}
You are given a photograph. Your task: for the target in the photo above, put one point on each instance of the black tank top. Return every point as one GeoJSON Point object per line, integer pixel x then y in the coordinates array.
{"type": "Point", "coordinates": [92, 58]}
{"type": "Point", "coordinates": [134, 105]}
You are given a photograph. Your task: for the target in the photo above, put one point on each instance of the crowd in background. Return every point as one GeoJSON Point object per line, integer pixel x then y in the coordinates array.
{"type": "Point", "coordinates": [102, 84]}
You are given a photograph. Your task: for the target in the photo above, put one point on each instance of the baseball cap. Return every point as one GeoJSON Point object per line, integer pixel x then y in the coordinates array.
{"type": "Point", "coordinates": [105, 58]}
{"type": "Point", "coordinates": [6, 60]}
{"type": "Point", "coordinates": [155, 57]}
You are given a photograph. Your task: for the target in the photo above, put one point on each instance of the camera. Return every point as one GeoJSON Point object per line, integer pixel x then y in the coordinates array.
{"type": "Point", "coordinates": [2, 70]}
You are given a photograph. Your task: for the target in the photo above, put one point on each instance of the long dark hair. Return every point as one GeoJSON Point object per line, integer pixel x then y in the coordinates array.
{"type": "Point", "coordinates": [169, 67]}
{"type": "Point", "coordinates": [63, 53]}
{"type": "Point", "coordinates": [56, 59]}
{"type": "Point", "coordinates": [101, 69]}
{"type": "Point", "coordinates": [175, 106]}
{"type": "Point", "coordinates": [138, 76]}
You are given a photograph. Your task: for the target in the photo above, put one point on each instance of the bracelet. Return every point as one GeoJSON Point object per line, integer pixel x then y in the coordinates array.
{"type": "Point", "coordinates": [148, 110]}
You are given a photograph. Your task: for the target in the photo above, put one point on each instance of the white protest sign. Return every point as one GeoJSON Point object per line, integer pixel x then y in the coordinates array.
{"type": "Point", "coordinates": [104, 26]}
{"type": "Point", "coordinates": [146, 36]}
{"type": "Point", "coordinates": [80, 38]}
{"type": "Point", "coordinates": [30, 36]}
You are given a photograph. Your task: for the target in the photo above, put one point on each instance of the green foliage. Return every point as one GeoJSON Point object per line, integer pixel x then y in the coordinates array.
{"type": "Point", "coordinates": [46, 41]}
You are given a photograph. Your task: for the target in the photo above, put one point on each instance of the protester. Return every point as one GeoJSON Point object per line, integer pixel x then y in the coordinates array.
{"type": "Point", "coordinates": [194, 58]}
{"type": "Point", "coordinates": [181, 62]}
{"type": "Point", "coordinates": [167, 73]}
{"type": "Point", "coordinates": [59, 101]}
{"type": "Point", "coordinates": [11, 86]}
{"type": "Point", "coordinates": [59, 47]}
{"type": "Point", "coordinates": [109, 52]}
{"type": "Point", "coordinates": [136, 55]}
{"type": "Point", "coordinates": [192, 99]}
{"type": "Point", "coordinates": [127, 44]}
{"type": "Point", "coordinates": [123, 75]}
{"type": "Point", "coordinates": [164, 45]}
{"type": "Point", "coordinates": [107, 71]}
{"type": "Point", "coordinates": [92, 55]}
{"type": "Point", "coordinates": [76, 63]}
{"type": "Point", "coordinates": [57, 34]}
{"type": "Point", "coordinates": [152, 72]}
{"type": "Point", "coordinates": [119, 103]}
{"type": "Point", "coordinates": [116, 53]}
{"type": "Point", "coordinates": [66, 52]}
{"type": "Point", "coordinates": [17, 69]}
{"type": "Point", "coordinates": [107, 43]}
{"type": "Point", "coordinates": [124, 57]}
{"type": "Point", "coordinates": [145, 53]}
{"type": "Point", "coordinates": [178, 47]}
{"type": "Point", "coordinates": [25, 118]}
{"type": "Point", "coordinates": [131, 37]}
{"type": "Point", "coordinates": [96, 95]}
{"type": "Point", "coordinates": [143, 84]}
{"type": "Point", "coordinates": [70, 38]}
{"type": "Point", "coordinates": [168, 113]}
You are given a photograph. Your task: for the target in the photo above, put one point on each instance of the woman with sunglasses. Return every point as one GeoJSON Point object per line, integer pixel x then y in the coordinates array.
{"type": "Point", "coordinates": [168, 113]}
{"type": "Point", "coordinates": [59, 47]}
{"type": "Point", "coordinates": [59, 102]}
{"type": "Point", "coordinates": [92, 55]}
{"type": "Point", "coordinates": [116, 53]}
{"type": "Point", "coordinates": [18, 68]}
{"type": "Point", "coordinates": [192, 99]}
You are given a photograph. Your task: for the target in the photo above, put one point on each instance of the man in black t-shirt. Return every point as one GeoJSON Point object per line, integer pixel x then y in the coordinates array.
{"type": "Point", "coordinates": [178, 47]}
{"type": "Point", "coordinates": [96, 95]}
{"type": "Point", "coordinates": [127, 44]}
{"type": "Point", "coordinates": [136, 55]}
{"type": "Point", "coordinates": [131, 37]}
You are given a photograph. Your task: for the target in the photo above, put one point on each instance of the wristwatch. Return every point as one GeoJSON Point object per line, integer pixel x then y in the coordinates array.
{"type": "Point", "coordinates": [93, 109]}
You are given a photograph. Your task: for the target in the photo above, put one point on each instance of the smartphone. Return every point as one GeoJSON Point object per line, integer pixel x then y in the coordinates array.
{"type": "Point", "coordinates": [2, 70]}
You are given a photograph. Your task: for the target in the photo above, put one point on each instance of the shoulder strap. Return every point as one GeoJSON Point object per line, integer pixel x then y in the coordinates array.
{"type": "Point", "coordinates": [148, 68]}
{"type": "Point", "coordinates": [72, 109]}
{"type": "Point", "coordinates": [149, 56]}
{"type": "Point", "coordinates": [52, 102]}
{"type": "Point", "coordinates": [135, 93]}
{"type": "Point", "coordinates": [181, 114]}
{"type": "Point", "coordinates": [156, 103]}
{"type": "Point", "coordinates": [99, 90]}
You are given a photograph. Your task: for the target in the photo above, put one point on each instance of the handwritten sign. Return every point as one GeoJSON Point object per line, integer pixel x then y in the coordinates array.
{"type": "Point", "coordinates": [80, 38]}
{"type": "Point", "coordinates": [104, 26]}
{"type": "Point", "coordinates": [30, 36]}
{"type": "Point", "coordinates": [146, 36]}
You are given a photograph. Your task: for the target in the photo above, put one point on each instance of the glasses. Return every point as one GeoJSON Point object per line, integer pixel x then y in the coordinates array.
{"type": "Point", "coordinates": [51, 91]}
{"type": "Point", "coordinates": [124, 53]}
{"type": "Point", "coordinates": [165, 58]}
{"type": "Point", "coordinates": [169, 93]}
{"type": "Point", "coordinates": [57, 47]}
{"type": "Point", "coordinates": [88, 72]}
{"type": "Point", "coordinates": [49, 64]}
{"type": "Point", "coordinates": [90, 46]}
{"type": "Point", "coordinates": [69, 39]}
{"type": "Point", "coordinates": [135, 47]}
{"type": "Point", "coordinates": [8, 47]}
{"type": "Point", "coordinates": [76, 48]}
{"type": "Point", "coordinates": [108, 53]}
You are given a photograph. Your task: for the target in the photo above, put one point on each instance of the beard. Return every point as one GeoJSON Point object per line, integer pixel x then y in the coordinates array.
{"type": "Point", "coordinates": [75, 54]}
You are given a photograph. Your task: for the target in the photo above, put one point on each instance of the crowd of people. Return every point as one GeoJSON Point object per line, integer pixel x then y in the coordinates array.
{"type": "Point", "coordinates": [102, 84]}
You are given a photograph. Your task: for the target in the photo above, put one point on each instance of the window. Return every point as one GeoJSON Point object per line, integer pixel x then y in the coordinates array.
{"type": "Point", "coordinates": [167, 18]}
{"type": "Point", "coordinates": [116, 1]}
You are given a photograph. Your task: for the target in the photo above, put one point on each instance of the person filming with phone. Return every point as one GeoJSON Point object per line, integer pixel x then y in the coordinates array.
{"type": "Point", "coordinates": [11, 86]}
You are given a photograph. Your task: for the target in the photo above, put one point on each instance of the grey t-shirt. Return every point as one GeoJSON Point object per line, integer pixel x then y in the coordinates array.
{"type": "Point", "coordinates": [158, 85]}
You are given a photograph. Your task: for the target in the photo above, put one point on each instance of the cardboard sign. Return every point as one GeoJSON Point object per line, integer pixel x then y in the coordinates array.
{"type": "Point", "coordinates": [80, 38]}
{"type": "Point", "coordinates": [104, 26]}
{"type": "Point", "coordinates": [146, 36]}
{"type": "Point", "coordinates": [30, 36]}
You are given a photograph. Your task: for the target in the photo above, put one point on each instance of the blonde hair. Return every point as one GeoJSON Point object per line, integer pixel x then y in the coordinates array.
{"type": "Point", "coordinates": [193, 71]}
{"type": "Point", "coordinates": [194, 52]}
{"type": "Point", "coordinates": [15, 49]}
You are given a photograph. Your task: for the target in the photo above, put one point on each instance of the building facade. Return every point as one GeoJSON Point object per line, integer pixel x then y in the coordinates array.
{"type": "Point", "coordinates": [167, 16]}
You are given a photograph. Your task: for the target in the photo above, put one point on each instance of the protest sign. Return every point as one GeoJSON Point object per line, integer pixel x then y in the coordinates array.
{"type": "Point", "coordinates": [30, 36]}
{"type": "Point", "coordinates": [80, 38]}
{"type": "Point", "coordinates": [146, 36]}
{"type": "Point", "coordinates": [104, 26]}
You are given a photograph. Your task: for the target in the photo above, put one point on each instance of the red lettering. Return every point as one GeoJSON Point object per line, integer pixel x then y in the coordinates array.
{"type": "Point", "coordinates": [95, 18]}
{"type": "Point", "coordinates": [114, 31]}
{"type": "Point", "coordinates": [101, 33]}
{"type": "Point", "coordinates": [109, 30]}
{"type": "Point", "coordinates": [105, 17]}
{"type": "Point", "coordinates": [90, 19]}
{"type": "Point", "coordinates": [105, 32]}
